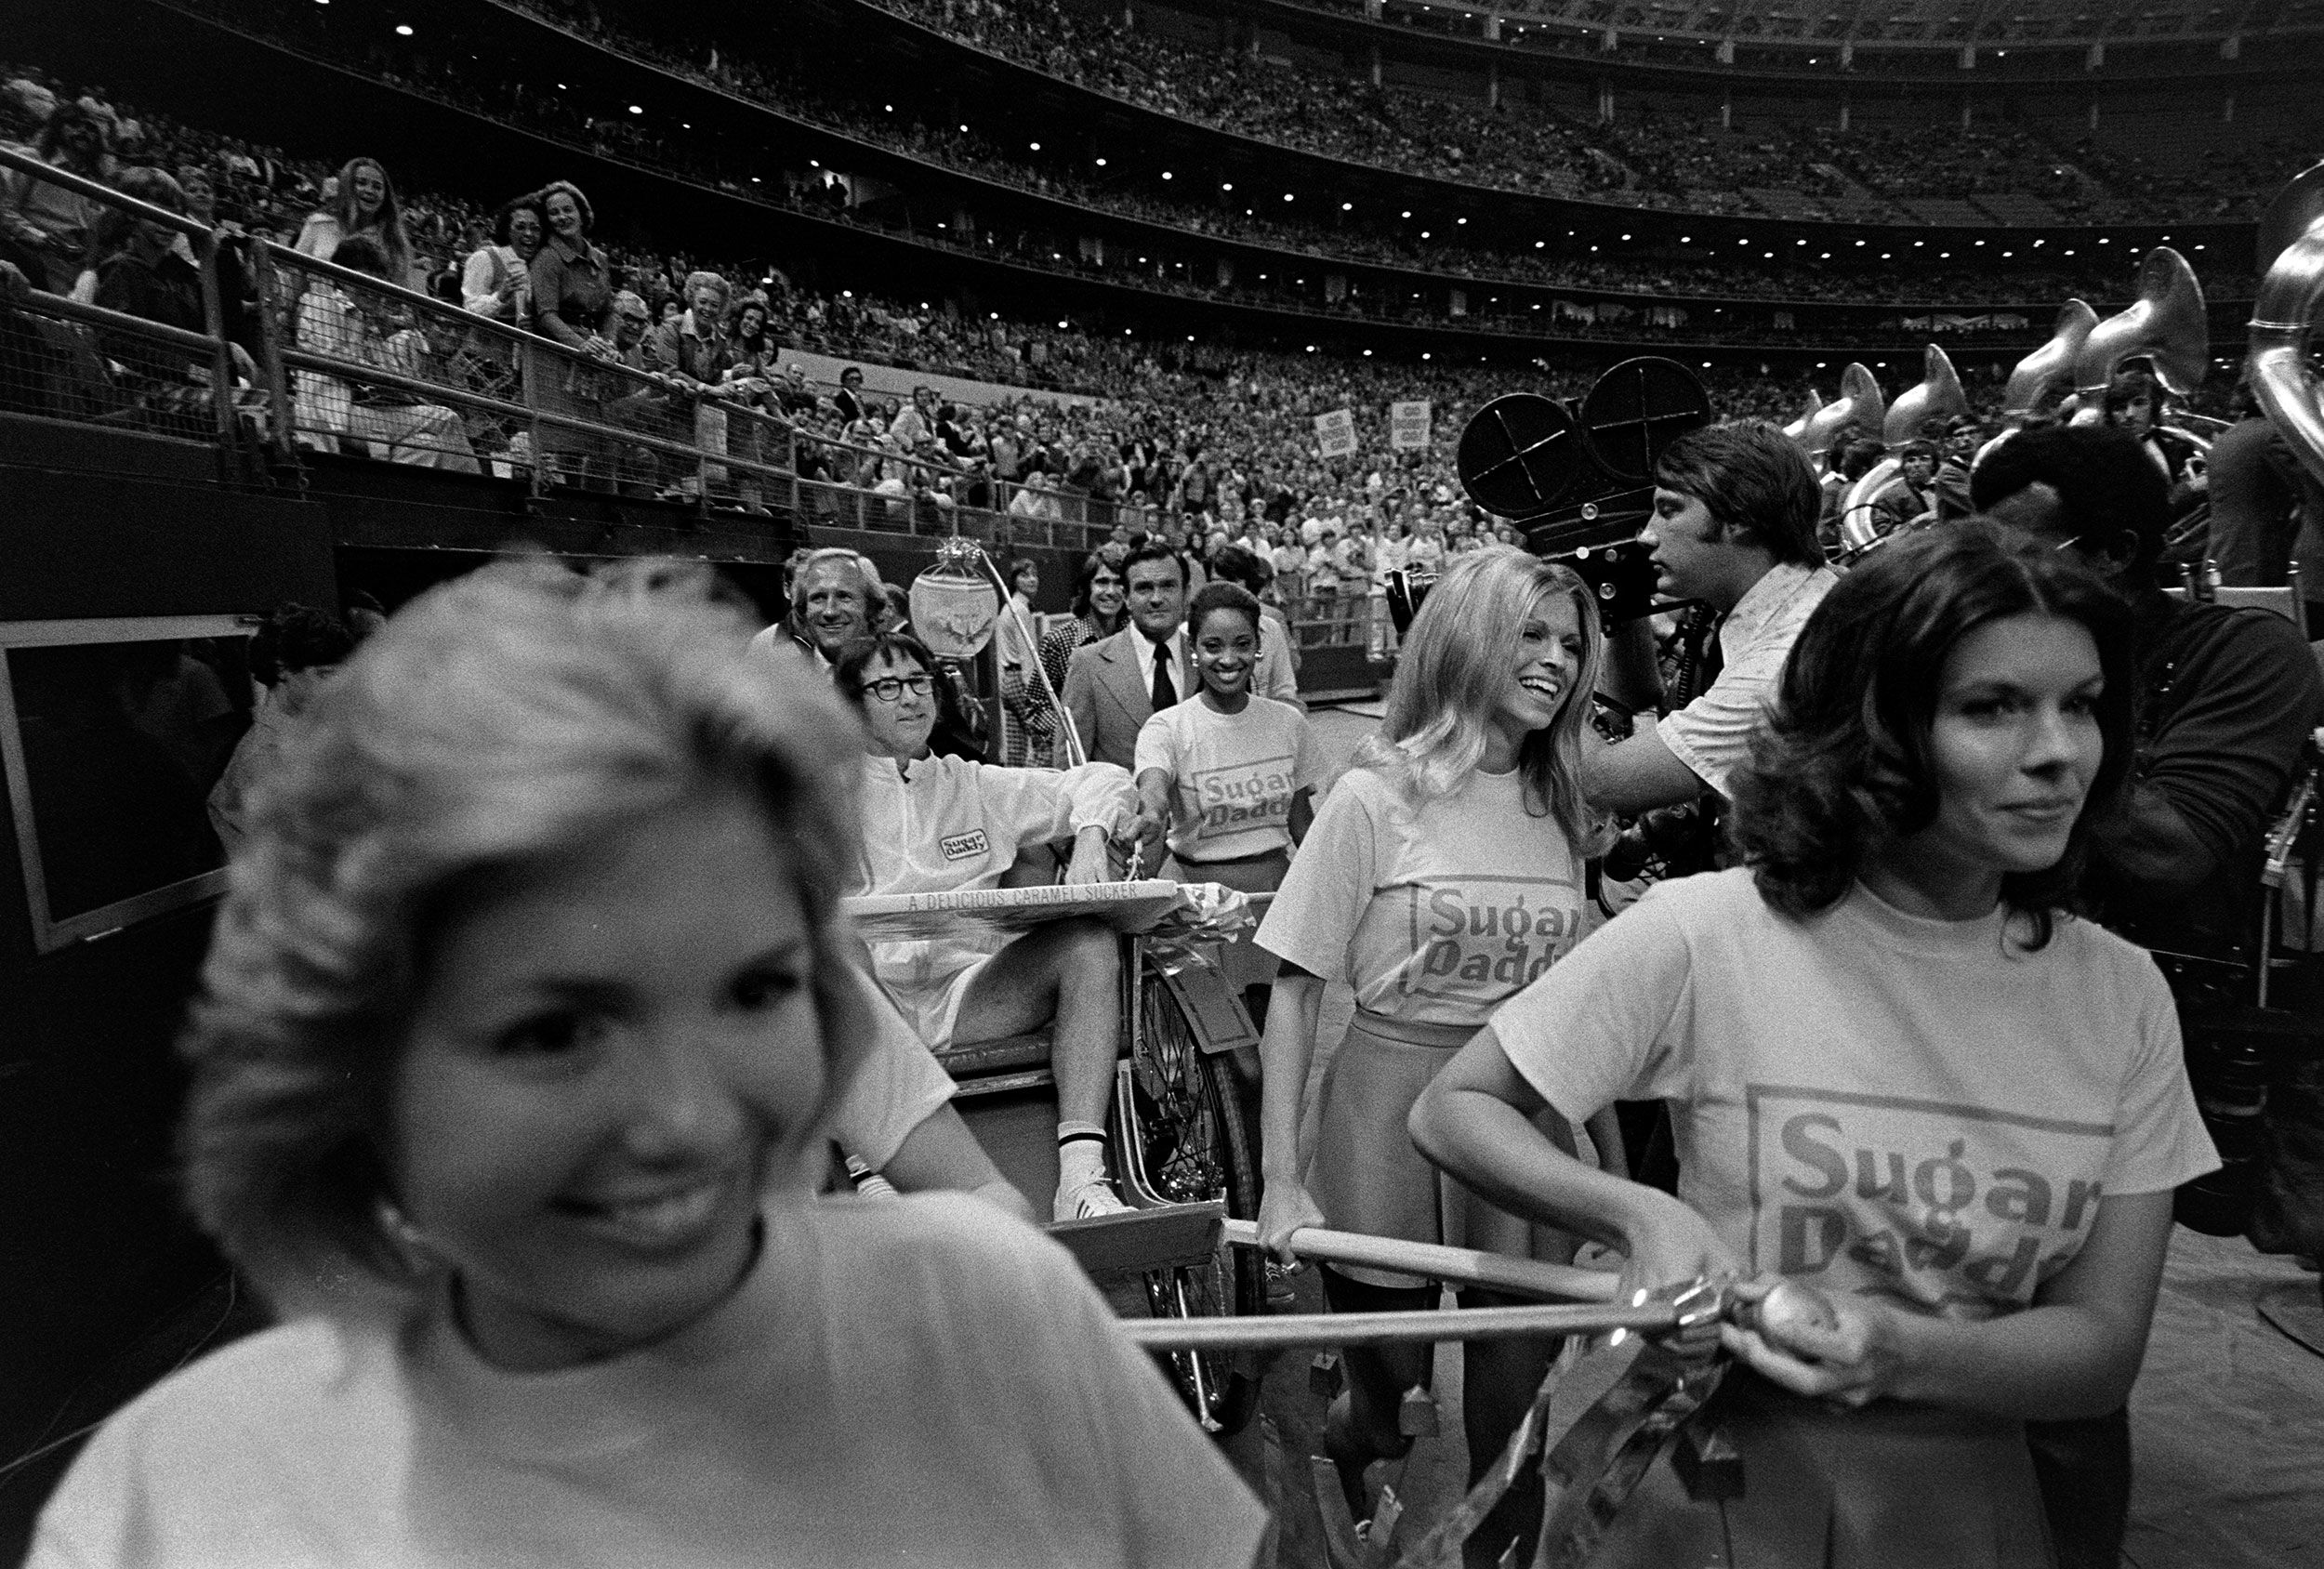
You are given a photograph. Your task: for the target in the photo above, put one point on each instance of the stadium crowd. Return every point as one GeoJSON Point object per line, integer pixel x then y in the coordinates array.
{"type": "Point", "coordinates": [732, 166]}
{"type": "Point", "coordinates": [1650, 159]}
{"type": "Point", "coordinates": [1213, 444]}
{"type": "Point", "coordinates": [902, 128]}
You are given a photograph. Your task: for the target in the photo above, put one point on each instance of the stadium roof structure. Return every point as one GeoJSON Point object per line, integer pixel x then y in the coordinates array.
{"type": "Point", "coordinates": [1936, 24]}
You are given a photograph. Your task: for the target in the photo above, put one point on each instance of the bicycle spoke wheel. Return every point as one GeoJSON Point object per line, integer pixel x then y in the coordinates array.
{"type": "Point", "coordinates": [1196, 1148]}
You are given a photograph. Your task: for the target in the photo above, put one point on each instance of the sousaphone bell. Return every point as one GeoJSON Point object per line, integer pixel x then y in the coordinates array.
{"type": "Point", "coordinates": [1859, 407]}
{"type": "Point", "coordinates": [2166, 325]}
{"type": "Point", "coordinates": [1937, 396]}
{"type": "Point", "coordinates": [2050, 368]}
{"type": "Point", "coordinates": [2291, 293]}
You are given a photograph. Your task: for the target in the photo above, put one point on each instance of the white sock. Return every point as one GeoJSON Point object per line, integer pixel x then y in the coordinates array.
{"type": "Point", "coordinates": [1079, 1161]}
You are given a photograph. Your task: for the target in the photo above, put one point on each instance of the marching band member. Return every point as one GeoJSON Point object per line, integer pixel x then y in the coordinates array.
{"type": "Point", "coordinates": [527, 1004]}
{"type": "Point", "coordinates": [942, 824]}
{"type": "Point", "coordinates": [2135, 401]}
{"type": "Point", "coordinates": [1233, 773]}
{"type": "Point", "coordinates": [1910, 500]}
{"type": "Point", "coordinates": [1443, 873]}
{"type": "Point", "coordinates": [1901, 1070]}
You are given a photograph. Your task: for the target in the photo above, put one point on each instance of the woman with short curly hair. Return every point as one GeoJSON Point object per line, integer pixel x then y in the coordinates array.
{"type": "Point", "coordinates": [521, 1035]}
{"type": "Point", "coordinates": [1901, 1073]}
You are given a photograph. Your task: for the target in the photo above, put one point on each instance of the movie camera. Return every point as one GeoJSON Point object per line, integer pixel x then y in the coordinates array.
{"type": "Point", "coordinates": [1575, 476]}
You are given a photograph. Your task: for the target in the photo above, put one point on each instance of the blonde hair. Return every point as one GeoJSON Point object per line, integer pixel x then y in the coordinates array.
{"type": "Point", "coordinates": [716, 281]}
{"type": "Point", "coordinates": [517, 713]}
{"type": "Point", "coordinates": [873, 590]}
{"type": "Point", "coordinates": [1453, 672]}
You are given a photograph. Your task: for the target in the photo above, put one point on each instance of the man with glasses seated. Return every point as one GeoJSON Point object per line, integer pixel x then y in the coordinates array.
{"type": "Point", "coordinates": [939, 825]}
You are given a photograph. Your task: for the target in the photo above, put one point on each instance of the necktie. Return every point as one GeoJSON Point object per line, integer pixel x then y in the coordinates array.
{"type": "Point", "coordinates": [1165, 694]}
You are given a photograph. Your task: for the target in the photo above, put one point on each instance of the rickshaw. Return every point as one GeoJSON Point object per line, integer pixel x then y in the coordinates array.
{"type": "Point", "coordinates": [1185, 1154]}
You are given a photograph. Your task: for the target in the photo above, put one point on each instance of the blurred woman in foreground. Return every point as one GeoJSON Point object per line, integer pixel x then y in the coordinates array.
{"type": "Point", "coordinates": [526, 1010]}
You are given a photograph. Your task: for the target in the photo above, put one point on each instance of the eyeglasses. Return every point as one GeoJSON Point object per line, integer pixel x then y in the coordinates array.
{"type": "Point", "coordinates": [890, 689]}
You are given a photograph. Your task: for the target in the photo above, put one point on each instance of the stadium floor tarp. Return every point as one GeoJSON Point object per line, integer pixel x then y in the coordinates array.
{"type": "Point", "coordinates": [2227, 1421]}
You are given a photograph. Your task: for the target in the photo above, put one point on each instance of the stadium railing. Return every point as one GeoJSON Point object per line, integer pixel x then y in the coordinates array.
{"type": "Point", "coordinates": [354, 366]}
{"type": "Point", "coordinates": [64, 358]}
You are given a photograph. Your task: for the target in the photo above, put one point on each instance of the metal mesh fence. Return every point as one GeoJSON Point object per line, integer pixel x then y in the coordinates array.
{"type": "Point", "coordinates": [114, 318]}
{"type": "Point", "coordinates": [347, 364]}
{"type": "Point", "coordinates": [62, 360]}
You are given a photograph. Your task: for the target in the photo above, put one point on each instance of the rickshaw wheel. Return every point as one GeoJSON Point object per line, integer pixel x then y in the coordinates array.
{"type": "Point", "coordinates": [1196, 1148]}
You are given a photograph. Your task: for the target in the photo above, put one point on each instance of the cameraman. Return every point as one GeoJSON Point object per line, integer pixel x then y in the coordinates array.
{"type": "Point", "coordinates": [1733, 527]}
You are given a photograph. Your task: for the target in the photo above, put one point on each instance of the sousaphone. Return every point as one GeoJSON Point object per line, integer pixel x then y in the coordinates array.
{"type": "Point", "coordinates": [1859, 407]}
{"type": "Point", "coordinates": [2291, 292]}
{"type": "Point", "coordinates": [2050, 368]}
{"type": "Point", "coordinates": [1938, 396]}
{"type": "Point", "coordinates": [1797, 429]}
{"type": "Point", "coordinates": [2166, 325]}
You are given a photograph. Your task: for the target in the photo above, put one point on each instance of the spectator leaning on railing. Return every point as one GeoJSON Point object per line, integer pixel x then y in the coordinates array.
{"type": "Point", "coordinates": [376, 419]}
{"type": "Point", "coordinates": [572, 288]}
{"type": "Point", "coordinates": [365, 204]}
{"type": "Point", "coordinates": [497, 279]}
{"type": "Point", "coordinates": [142, 266]}
{"type": "Point", "coordinates": [44, 229]}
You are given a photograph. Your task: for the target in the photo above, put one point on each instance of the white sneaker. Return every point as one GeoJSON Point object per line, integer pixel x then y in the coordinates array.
{"type": "Point", "coordinates": [1085, 1199]}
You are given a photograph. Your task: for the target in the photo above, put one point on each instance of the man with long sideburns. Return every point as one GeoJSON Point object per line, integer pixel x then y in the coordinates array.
{"type": "Point", "coordinates": [1734, 512]}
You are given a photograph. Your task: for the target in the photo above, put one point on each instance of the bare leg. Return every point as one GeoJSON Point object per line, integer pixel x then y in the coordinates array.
{"type": "Point", "coordinates": [1067, 975]}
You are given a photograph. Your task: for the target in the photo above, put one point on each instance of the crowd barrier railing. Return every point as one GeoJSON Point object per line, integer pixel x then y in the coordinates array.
{"type": "Point", "coordinates": [349, 363]}
{"type": "Point", "coordinates": [374, 369]}
{"type": "Point", "coordinates": [65, 358]}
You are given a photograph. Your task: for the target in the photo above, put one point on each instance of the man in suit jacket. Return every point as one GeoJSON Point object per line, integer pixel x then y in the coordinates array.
{"type": "Point", "coordinates": [1112, 684]}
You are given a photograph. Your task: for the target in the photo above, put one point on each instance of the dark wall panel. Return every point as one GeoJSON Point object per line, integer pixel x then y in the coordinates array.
{"type": "Point", "coordinates": [80, 545]}
{"type": "Point", "coordinates": [93, 1246]}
